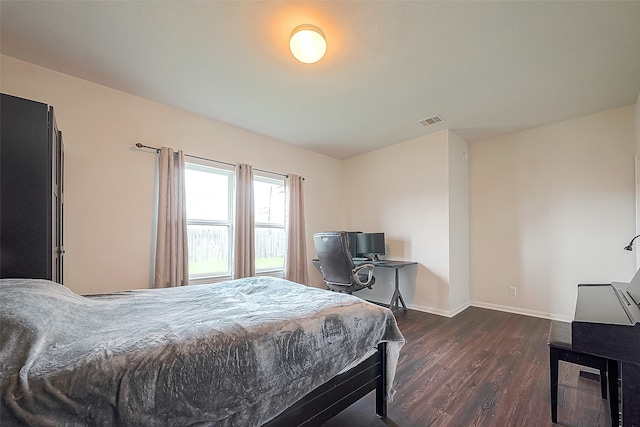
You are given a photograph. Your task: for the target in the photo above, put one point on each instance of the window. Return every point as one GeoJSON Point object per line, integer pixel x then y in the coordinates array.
{"type": "Point", "coordinates": [209, 200]}
{"type": "Point", "coordinates": [271, 239]}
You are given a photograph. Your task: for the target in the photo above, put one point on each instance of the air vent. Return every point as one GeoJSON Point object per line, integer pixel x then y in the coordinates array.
{"type": "Point", "coordinates": [430, 121]}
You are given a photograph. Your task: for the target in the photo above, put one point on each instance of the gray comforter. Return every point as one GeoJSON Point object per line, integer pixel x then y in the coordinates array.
{"type": "Point", "coordinates": [229, 354]}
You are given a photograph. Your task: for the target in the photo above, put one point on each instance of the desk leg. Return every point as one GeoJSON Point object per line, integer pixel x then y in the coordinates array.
{"type": "Point", "coordinates": [397, 302]}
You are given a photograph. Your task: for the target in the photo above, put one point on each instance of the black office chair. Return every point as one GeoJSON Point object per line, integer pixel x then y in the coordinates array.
{"type": "Point", "coordinates": [336, 265]}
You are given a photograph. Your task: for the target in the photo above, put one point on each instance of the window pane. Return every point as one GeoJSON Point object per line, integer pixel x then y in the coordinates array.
{"type": "Point", "coordinates": [208, 249]}
{"type": "Point", "coordinates": [207, 194]}
{"type": "Point", "coordinates": [270, 248]}
{"type": "Point", "coordinates": [269, 201]}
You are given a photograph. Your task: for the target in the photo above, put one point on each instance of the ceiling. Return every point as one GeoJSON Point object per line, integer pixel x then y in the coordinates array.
{"type": "Point", "coordinates": [487, 68]}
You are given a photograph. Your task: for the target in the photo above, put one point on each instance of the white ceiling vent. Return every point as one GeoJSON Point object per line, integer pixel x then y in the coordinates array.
{"type": "Point", "coordinates": [430, 121]}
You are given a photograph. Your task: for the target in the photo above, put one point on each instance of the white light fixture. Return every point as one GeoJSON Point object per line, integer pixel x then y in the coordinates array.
{"type": "Point", "coordinates": [307, 43]}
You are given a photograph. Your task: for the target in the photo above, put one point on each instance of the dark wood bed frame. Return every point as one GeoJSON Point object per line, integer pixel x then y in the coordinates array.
{"type": "Point", "coordinates": [340, 392]}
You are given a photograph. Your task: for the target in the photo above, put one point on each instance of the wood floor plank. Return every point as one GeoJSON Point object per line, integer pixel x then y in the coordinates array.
{"type": "Point", "coordinates": [479, 368]}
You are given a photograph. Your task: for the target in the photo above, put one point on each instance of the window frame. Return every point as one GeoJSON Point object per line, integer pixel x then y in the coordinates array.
{"type": "Point", "coordinates": [230, 174]}
{"type": "Point", "coordinates": [271, 179]}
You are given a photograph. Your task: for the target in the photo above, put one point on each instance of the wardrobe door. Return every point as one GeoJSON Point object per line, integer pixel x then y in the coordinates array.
{"type": "Point", "coordinates": [26, 182]}
{"type": "Point", "coordinates": [57, 191]}
{"type": "Point", "coordinates": [55, 197]}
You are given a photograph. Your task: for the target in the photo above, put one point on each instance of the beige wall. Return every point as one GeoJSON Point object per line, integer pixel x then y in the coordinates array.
{"type": "Point", "coordinates": [636, 248]}
{"type": "Point", "coordinates": [552, 207]}
{"type": "Point", "coordinates": [109, 194]}
{"type": "Point", "coordinates": [638, 126]}
{"type": "Point", "coordinates": [459, 285]}
{"type": "Point", "coordinates": [404, 191]}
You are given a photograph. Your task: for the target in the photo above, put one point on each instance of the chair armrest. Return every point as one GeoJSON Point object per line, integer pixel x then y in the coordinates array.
{"type": "Point", "coordinates": [369, 267]}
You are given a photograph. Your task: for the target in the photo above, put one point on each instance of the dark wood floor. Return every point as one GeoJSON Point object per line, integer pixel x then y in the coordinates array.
{"type": "Point", "coordinates": [479, 368]}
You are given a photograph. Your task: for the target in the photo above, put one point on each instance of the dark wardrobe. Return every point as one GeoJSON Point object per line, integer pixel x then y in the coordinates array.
{"type": "Point", "coordinates": [31, 190]}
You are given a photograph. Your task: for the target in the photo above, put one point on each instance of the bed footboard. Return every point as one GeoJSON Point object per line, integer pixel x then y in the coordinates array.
{"type": "Point", "coordinates": [340, 392]}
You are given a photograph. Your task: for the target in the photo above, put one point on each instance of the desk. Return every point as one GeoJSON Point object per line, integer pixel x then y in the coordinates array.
{"type": "Point", "coordinates": [397, 302]}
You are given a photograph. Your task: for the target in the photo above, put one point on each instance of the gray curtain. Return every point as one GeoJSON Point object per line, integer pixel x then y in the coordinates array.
{"type": "Point", "coordinates": [172, 260]}
{"type": "Point", "coordinates": [295, 265]}
{"type": "Point", "coordinates": [244, 237]}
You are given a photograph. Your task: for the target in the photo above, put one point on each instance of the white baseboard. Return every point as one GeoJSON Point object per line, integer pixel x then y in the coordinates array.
{"type": "Point", "coordinates": [430, 310]}
{"type": "Point", "coordinates": [517, 310]}
{"type": "Point", "coordinates": [480, 304]}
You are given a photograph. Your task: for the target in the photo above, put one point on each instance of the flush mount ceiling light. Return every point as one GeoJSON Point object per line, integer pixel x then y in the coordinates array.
{"type": "Point", "coordinates": [307, 43]}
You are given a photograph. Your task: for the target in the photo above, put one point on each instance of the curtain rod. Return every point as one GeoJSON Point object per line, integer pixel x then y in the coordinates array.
{"type": "Point", "coordinates": [139, 145]}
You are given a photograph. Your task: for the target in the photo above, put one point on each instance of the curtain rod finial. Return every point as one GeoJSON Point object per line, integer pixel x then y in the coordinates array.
{"type": "Point", "coordinates": [139, 145]}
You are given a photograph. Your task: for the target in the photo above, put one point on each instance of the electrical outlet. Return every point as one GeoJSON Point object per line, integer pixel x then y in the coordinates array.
{"type": "Point", "coordinates": [391, 285]}
{"type": "Point", "coordinates": [512, 291]}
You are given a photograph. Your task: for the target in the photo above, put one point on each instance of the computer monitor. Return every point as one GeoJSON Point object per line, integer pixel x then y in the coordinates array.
{"type": "Point", "coordinates": [353, 242]}
{"type": "Point", "coordinates": [370, 245]}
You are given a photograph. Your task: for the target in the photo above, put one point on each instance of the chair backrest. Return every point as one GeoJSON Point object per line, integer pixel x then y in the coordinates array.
{"type": "Point", "coordinates": [335, 259]}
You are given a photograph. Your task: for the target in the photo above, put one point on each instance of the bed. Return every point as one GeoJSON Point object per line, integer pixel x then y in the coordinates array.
{"type": "Point", "coordinates": [248, 352]}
